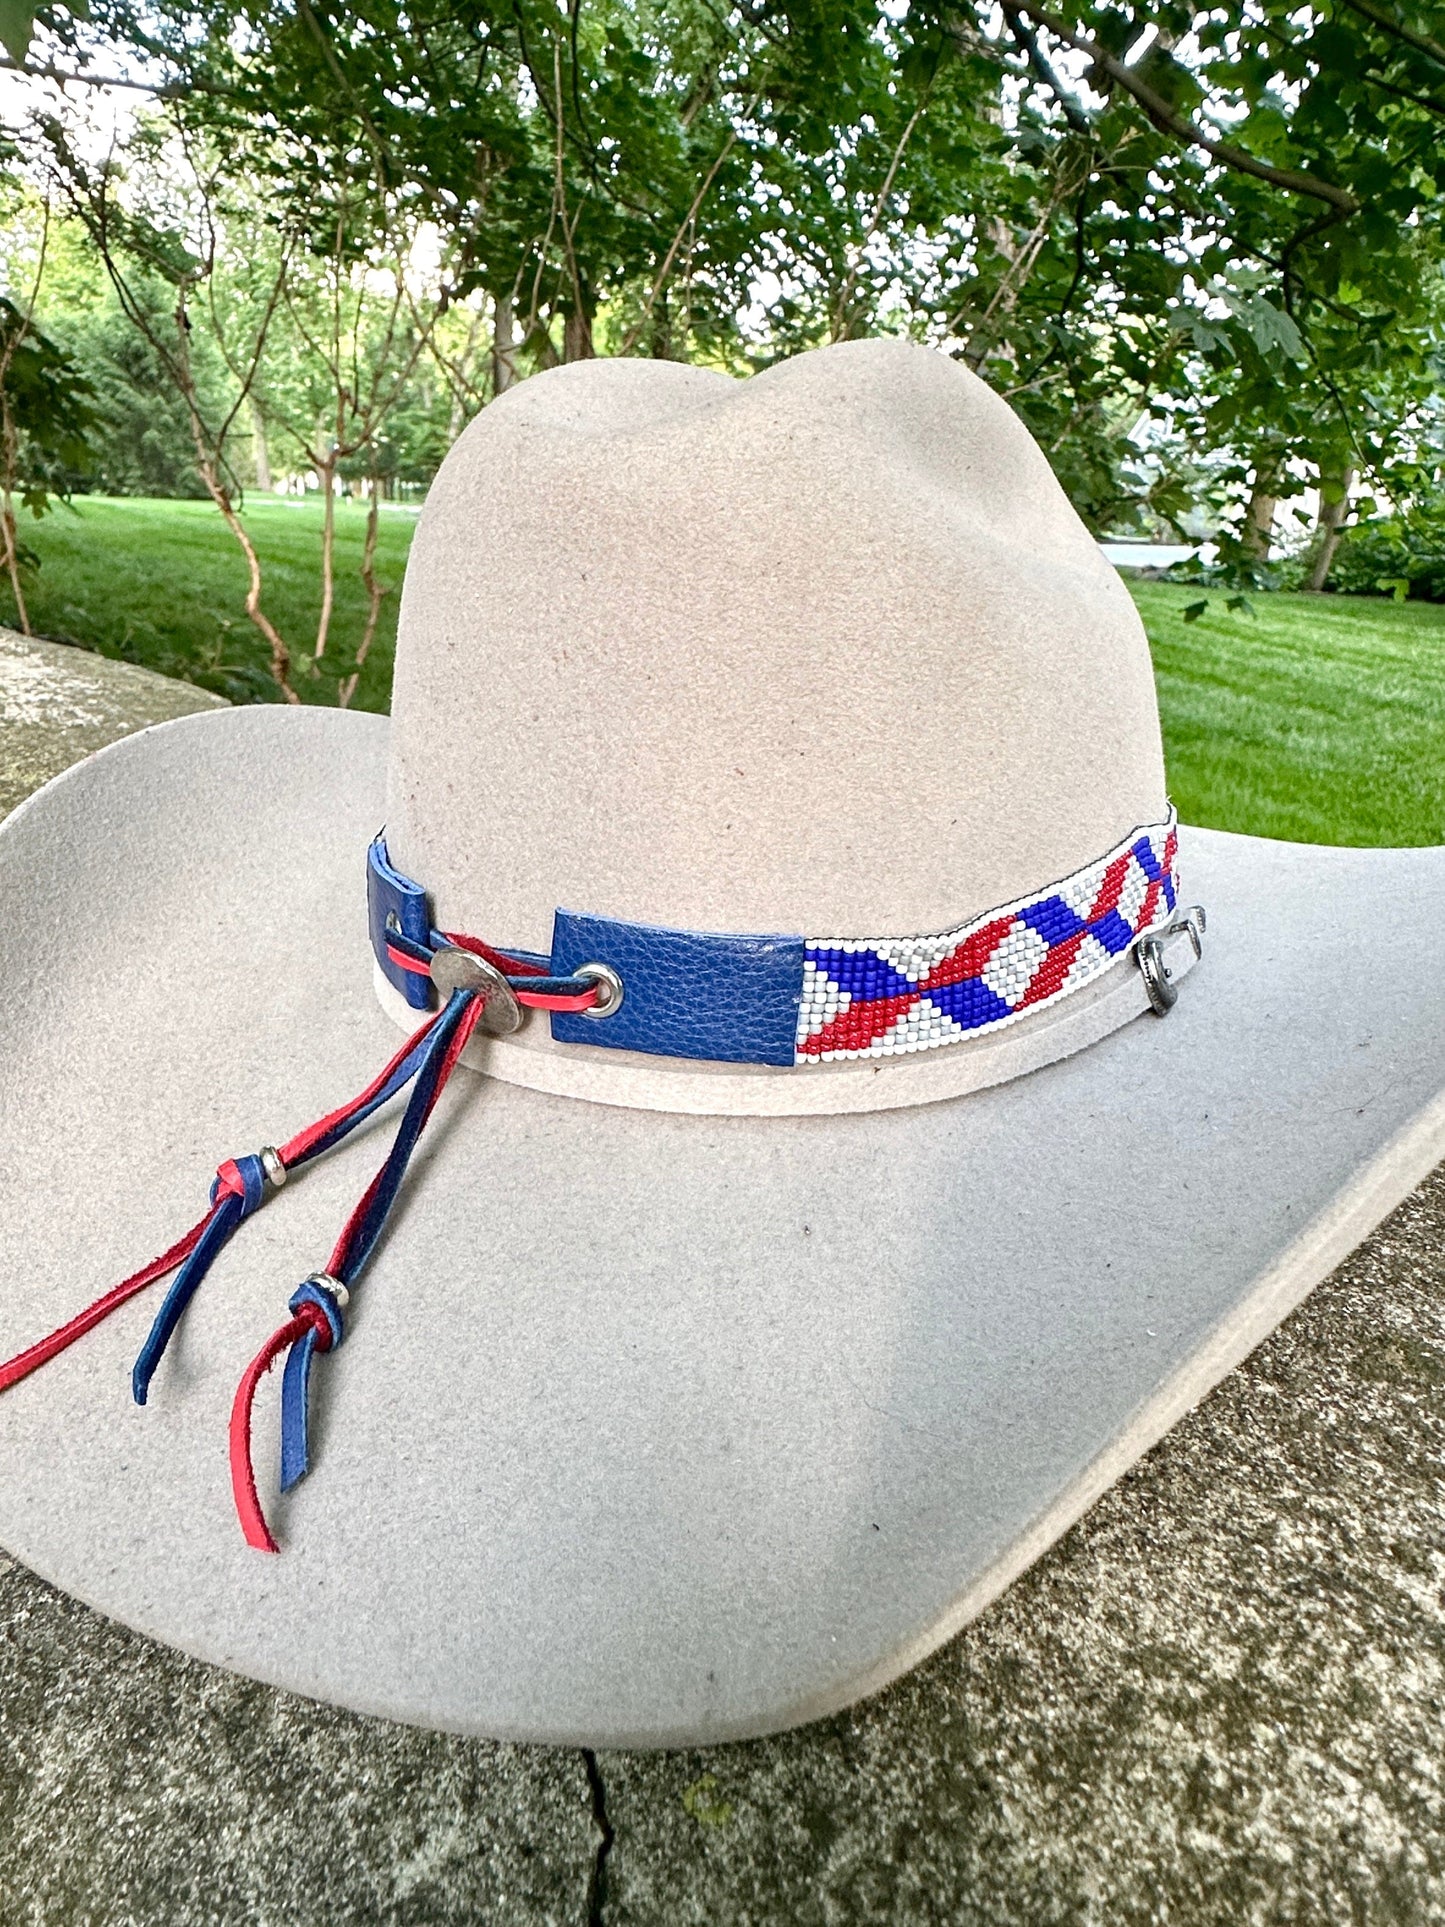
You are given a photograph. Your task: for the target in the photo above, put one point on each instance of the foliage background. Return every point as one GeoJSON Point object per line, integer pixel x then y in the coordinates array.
{"type": "Point", "coordinates": [1197, 250]}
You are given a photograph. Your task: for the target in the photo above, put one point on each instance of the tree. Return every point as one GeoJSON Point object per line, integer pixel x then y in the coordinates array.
{"type": "Point", "coordinates": [1182, 244]}
{"type": "Point", "coordinates": [1255, 216]}
{"type": "Point", "coordinates": [45, 419]}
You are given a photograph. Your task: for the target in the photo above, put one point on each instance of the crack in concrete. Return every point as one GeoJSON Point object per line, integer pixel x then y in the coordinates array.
{"type": "Point", "coordinates": [597, 1885]}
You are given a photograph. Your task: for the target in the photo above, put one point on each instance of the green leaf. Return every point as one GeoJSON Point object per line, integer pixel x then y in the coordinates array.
{"type": "Point", "coordinates": [1195, 611]}
{"type": "Point", "coordinates": [17, 24]}
{"type": "Point", "coordinates": [1269, 326]}
{"type": "Point", "coordinates": [1206, 337]}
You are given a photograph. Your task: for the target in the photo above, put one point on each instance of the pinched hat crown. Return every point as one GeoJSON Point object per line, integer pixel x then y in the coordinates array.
{"type": "Point", "coordinates": [826, 650]}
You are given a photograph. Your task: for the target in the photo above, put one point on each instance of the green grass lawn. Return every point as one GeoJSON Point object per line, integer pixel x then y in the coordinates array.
{"type": "Point", "coordinates": [164, 584]}
{"type": "Point", "coordinates": [1318, 718]}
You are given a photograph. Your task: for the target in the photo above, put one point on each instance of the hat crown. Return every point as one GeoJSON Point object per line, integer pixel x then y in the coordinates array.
{"type": "Point", "coordinates": [823, 650]}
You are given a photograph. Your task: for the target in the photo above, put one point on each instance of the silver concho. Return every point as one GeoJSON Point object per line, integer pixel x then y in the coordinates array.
{"type": "Point", "coordinates": [455, 969]}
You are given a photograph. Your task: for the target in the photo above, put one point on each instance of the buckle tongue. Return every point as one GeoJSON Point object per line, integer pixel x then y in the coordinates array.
{"type": "Point", "coordinates": [1149, 955]}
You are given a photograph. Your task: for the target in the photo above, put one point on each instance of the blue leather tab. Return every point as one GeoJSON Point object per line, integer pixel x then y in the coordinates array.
{"type": "Point", "coordinates": [686, 993]}
{"type": "Point", "coordinates": [389, 894]}
{"type": "Point", "coordinates": [224, 1219]}
{"type": "Point", "coordinates": [310, 1293]}
{"type": "Point", "coordinates": [252, 1173]}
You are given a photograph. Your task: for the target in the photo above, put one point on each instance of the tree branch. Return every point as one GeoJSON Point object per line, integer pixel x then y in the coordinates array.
{"type": "Point", "coordinates": [1422, 43]}
{"type": "Point", "coordinates": [1432, 103]}
{"type": "Point", "coordinates": [845, 293]}
{"type": "Point", "coordinates": [380, 153]}
{"type": "Point", "coordinates": [677, 240]}
{"type": "Point", "coordinates": [167, 90]}
{"type": "Point", "coordinates": [1331, 218]}
{"type": "Point", "coordinates": [1169, 121]}
{"type": "Point", "coordinates": [583, 322]}
{"type": "Point", "coordinates": [1028, 42]}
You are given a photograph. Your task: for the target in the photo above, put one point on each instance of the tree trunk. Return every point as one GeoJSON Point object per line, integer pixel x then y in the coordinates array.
{"type": "Point", "coordinates": [504, 345]}
{"type": "Point", "coordinates": [660, 340]}
{"type": "Point", "coordinates": [328, 554]}
{"type": "Point", "coordinates": [10, 443]}
{"type": "Point", "coordinates": [260, 452]}
{"type": "Point", "coordinates": [1258, 531]}
{"type": "Point", "coordinates": [374, 592]}
{"type": "Point", "coordinates": [542, 347]}
{"type": "Point", "coordinates": [12, 563]}
{"type": "Point", "coordinates": [1330, 522]}
{"type": "Point", "coordinates": [461, 382]}
{"type": "Point", "coordinates": [577, 335]}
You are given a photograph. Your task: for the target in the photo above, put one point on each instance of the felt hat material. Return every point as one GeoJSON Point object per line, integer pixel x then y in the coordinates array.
{"type": "Point", "coordinates": [652, 1427]}
{"type": "Point", "coordinates": [649, 1429]}
{"type": "Point", "coordinates": [826, 651]}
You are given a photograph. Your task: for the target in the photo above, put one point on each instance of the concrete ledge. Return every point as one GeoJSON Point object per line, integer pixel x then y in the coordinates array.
{"type": "Point", "coordinates": [58, 703]}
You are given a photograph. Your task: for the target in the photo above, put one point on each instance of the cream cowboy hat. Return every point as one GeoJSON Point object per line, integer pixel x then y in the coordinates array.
{"type": "Point", "coordinates": [835, 1218]}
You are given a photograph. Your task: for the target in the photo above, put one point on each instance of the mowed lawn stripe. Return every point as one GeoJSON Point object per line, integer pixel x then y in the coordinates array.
{"type": "Point", "coordinates": [1319, 719]}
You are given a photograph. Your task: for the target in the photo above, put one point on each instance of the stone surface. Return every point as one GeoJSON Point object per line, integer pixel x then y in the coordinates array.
{"type": "Point", "coordinates": [139, 1786]}
{"type": "Point", "coordinates": [1218, 1699]}
{"type": "Point", "coordinates": [58, 703]}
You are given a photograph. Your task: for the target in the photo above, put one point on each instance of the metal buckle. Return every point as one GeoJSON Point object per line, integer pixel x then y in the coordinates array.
{"type": "Point", "coordinates": [455, 969]}
{"type": "Point", "coordinates": [1149, 955]}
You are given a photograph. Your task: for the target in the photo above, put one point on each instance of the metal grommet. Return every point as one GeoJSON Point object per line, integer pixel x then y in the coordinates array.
{"type": "Point", "coordinates": [455, 969]}
{"type": "Point", "coordinates": [333, 1287]}
{"type": "Point", "coordinates": [271, 1164]}
{"type": "Point", "coordinates": [613, 993]}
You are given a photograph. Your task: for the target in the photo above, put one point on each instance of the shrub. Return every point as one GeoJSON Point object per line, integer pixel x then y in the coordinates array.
{"type": "Point", "coordinates": [1394, 555]}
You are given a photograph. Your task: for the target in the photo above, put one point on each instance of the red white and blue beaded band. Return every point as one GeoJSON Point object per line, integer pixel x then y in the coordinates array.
{"type": "Point", "coordinates": [792, 1000]}
{"type": "Point", "coordinates": [886, 997]}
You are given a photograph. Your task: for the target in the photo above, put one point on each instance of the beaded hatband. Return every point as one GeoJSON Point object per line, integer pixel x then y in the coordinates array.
{"type": "Point", "coordinates": [883, 997]}
{"type": "Point", "coordinates": [789, 1000]}
{"type": "Point", "coordinates": [764, 1000]}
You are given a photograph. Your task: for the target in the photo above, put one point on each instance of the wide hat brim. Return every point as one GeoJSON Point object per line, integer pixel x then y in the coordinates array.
{"type": "Point", "coordinates": [648, 1429]}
